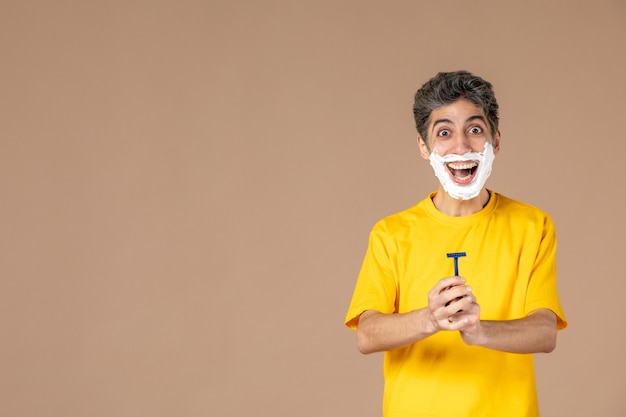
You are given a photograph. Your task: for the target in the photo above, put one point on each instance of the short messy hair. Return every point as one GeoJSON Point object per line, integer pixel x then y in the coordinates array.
{"type": "Point", "coordinates": [446, 88]}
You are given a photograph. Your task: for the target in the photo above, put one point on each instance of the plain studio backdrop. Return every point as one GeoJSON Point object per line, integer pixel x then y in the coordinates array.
{"type": "Point", "coordinates": [188, 187]}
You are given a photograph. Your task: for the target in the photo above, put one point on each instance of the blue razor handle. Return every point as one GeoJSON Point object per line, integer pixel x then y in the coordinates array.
{"type": "Point", "coordinates": [456, 256]}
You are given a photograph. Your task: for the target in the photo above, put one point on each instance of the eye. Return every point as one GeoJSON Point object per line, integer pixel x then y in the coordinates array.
{"type": "Point", "coordinates": [476, 130]}
{"type": "Point", "coordinates": [443, 133]}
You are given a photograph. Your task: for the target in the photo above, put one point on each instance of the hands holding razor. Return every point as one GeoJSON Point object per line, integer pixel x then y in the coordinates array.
{"type": "Point", "coordinates": [452, 306]}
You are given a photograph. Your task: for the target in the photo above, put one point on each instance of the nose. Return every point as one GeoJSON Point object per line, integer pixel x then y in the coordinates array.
{"type": "Point", "coordinates": [462, 144]}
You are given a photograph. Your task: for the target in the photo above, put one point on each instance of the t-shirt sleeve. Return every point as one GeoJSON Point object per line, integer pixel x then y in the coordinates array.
{"type": "Point", "coordinates": [542, 289]}
{"type": "Point", "coordinates": [376, 287]}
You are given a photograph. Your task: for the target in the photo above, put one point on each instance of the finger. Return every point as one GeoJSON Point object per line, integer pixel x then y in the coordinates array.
{"type": "Point", "coordinates": [463, 303]}
{"type": "Point", "coordinates": [446, 315]}
{"type": "Point", "coordinates": [469, 314]}
{"type": "Point", "coordinates": [456, 293]}
{"type": "Point", "coordinates": [439, 298]}
{"type": "Point", "coordinates": [456, 322]}
{"type": "Point", "coordinates": [447, 283]}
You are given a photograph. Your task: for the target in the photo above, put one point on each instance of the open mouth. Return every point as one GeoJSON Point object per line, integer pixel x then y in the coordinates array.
{"type": "Point", "coordinates": [462, 172]}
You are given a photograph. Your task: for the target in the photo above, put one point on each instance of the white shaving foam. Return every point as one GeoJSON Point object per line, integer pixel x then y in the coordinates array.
{"type": "Point", "coordinates": [471, 190]}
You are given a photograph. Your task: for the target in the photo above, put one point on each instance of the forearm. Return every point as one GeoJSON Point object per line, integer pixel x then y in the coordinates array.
{"type": "Point", "coordinates": [378, 332]}
{"type": "Point", "coordinates": [532, 334]}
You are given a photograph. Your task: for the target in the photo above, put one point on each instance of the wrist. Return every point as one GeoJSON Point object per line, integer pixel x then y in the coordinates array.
{"type": "Point", "coordinates": [425, 323]}
{"type": "Point", "coordinates": [477, 335]}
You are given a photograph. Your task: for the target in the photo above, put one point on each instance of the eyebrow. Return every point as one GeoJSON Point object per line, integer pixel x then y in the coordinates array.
{"type": "Point", "coordinates": [438, 121]}
{"type": "Point", "coordinates": [477, 117]}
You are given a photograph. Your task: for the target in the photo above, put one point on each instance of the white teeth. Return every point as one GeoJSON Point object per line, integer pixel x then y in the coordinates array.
{"type": "Point", "coordinates": [462, 165]}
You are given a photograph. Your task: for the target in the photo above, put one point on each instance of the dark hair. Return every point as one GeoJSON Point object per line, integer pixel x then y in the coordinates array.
{"type": "Point", "coordinates": [446, 88]}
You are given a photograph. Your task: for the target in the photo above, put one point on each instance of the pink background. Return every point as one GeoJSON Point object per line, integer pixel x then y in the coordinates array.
{"type": "Point", "coordinates": [188, 187]}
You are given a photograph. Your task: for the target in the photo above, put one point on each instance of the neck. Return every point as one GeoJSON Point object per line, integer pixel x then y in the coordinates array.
{"type": "Point", "coordinates": [453, 207]}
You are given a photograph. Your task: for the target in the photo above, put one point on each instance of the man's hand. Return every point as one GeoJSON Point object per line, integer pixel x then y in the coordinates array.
{"type": "Point", "coordinates": [451, 305]}
{"type": "Point", "coordinates": [379, 332]}
{"type": "Point", "coordinates": [531, 334]}
{"type": "Point", "coordinates": [470, 325]}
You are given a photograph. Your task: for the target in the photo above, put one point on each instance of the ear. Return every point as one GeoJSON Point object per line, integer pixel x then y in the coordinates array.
{"type": "Point", "coordinates": [496, 147]}
{"type": "Point", "coordinates": [424, 152]}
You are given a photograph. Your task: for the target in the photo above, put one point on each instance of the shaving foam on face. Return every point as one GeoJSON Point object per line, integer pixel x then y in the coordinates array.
{"type": "Point", "coordinates": [471, 190]}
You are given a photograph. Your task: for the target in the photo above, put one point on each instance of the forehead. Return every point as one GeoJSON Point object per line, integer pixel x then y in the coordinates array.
{"type": "Point", "coordinates": [459, 112]}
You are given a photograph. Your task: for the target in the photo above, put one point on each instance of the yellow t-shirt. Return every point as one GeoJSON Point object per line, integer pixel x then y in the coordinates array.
{"type": "Point", "coordinates": [510, 264]}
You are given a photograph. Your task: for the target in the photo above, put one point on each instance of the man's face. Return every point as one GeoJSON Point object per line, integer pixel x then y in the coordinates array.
{"type": "Point", "coordinates": [458, 128]}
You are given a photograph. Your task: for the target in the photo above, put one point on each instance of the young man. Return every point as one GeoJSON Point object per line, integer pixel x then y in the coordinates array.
{"type": "Point", "coordinates": [460, 289]}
